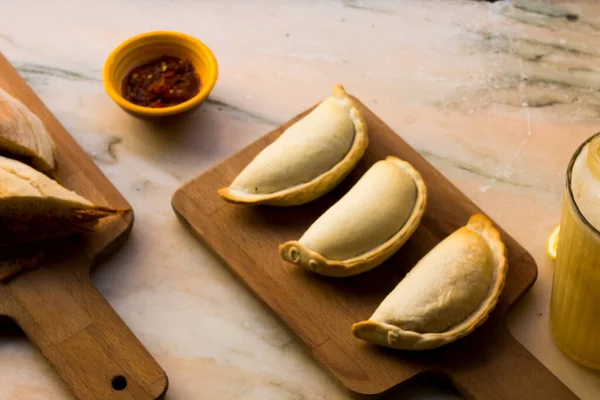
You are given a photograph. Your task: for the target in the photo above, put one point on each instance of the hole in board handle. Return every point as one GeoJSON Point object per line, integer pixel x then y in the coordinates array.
{"type": "Point", "coordinates": [119, 382]}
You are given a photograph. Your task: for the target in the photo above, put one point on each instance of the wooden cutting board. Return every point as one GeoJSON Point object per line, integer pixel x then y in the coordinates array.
{"type": "Point", "coordinates": [56, 304]}
{"type": "Point", "coordinates": [488, 364]}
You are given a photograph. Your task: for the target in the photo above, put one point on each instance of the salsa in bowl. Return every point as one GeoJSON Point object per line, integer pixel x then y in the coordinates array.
{"type": "Point", "coordinates": [160, 74]}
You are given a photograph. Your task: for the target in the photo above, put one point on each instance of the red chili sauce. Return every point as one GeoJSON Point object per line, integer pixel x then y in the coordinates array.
{"type": "Point", "coordinates": [163, 82]}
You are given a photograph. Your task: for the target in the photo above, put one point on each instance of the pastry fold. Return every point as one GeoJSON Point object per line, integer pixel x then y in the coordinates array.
{"type": "Point", "coordinates": [450, 292]}
{"type": "Point", "coordinates": [366, 226]}
{"type": "Point", "coordinates": [309, 159]}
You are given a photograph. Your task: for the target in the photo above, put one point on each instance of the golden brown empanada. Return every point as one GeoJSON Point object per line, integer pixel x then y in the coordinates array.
{"type": "Point", "coordinates": [366, 226]}
{"type": "Point", "coordinates": [449, 293]}
{"type": "Point", "coordinates": [309, 159]}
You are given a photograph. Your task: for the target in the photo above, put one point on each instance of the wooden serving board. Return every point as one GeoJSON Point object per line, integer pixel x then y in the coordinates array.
{"type": "Point", "coordinates": [488, 364]}
{"type": "Point", "coordinates": [56, 304]}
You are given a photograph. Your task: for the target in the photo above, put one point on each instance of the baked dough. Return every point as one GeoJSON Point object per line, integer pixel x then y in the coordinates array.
{"type": "Point", "coordinates": [23, 135]}
{"type": "Point", "coordinates": [309, 159]}
{"type": "Point", "coordinates": [449, 293]}
{"type": "Point", "coordinates": [366, 226]}
{"type": "Point", "coordinates": [33, 207]}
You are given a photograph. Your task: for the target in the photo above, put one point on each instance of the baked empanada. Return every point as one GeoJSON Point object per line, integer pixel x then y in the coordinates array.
{"type": "Point", "coordinates": [449, 293]}
{"type": "Point", "coordinates": [366, 226]}
{"type": "Point", "coordinates": [33, 207]}
{"type": "Point", "coordinates": [24, 136]}
{"type": "Point", "coordinates": [309, 159]}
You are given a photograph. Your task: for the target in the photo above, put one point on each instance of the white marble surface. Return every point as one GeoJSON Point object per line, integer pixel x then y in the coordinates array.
{"type": "Point", "coordinates": [497, 96]}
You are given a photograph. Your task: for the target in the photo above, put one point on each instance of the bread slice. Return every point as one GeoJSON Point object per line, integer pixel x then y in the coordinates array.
{"type": "Point", "coordinates": [33, 207]}
{"type": "Point", "coordinates": [24, 136]}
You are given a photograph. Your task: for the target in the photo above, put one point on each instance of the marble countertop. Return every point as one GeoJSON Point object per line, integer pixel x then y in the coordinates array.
{"type": "Point", "coordinates": [495, 95]}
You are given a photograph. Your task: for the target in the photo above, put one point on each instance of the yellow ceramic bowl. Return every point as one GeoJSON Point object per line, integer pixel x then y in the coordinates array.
{"type": "Point", "coordinates": [148, 46]}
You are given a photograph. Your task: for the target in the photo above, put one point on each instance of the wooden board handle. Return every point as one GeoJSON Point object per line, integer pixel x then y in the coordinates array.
{"type": "Point", "coordinates": [506, 370]}
{"type": "Point", "coordinates": [79, 333]}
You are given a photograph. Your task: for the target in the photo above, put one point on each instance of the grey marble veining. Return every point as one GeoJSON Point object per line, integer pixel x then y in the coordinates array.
{"type": "Point", "coordinates": [496, 95]}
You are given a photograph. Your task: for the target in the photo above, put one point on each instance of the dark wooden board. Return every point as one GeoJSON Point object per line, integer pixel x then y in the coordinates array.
{"type": "Point", "coordinates": [488, 364]}
{"type": "Point", "coordinates": [56, 304]}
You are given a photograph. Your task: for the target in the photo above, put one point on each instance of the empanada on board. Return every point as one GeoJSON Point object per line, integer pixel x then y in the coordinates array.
{"type": "Point", "coordinates": [24, 136]}
{"type": "Point", "coordinates": [450, 292]}
{"type": "Point", "coordinates": [366, 226]}
{"type": "Point", "coordinates": [34, 207]}
{"type": "Point", "coordinates": [309, 159]}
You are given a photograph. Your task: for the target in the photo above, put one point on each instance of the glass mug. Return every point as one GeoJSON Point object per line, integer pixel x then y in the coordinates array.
{"type": "Point", "coordinates": [575, 300]}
